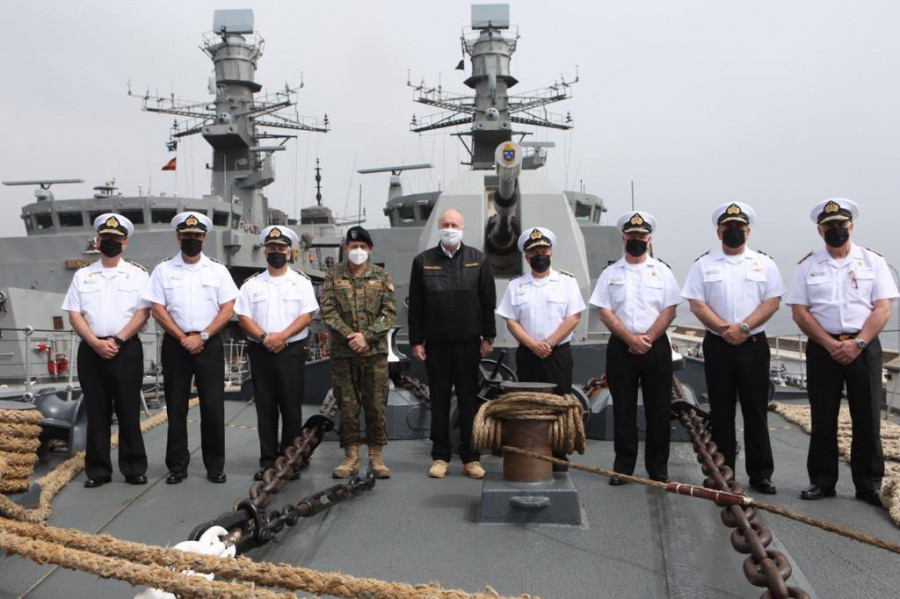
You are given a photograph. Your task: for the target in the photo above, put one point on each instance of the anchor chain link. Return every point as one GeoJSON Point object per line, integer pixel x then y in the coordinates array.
{"type": "Point", "coordinates": [763, 567]}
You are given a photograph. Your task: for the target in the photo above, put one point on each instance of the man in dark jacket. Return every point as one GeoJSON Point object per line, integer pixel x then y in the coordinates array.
{"type": "Point", "coordinates": [451, 327]}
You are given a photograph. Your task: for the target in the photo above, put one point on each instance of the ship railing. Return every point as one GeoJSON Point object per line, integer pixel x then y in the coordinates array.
{"type": "Point", "coordinates": [237, 364]}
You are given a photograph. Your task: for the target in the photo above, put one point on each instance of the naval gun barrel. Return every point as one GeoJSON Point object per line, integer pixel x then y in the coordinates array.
{"type": "Point", "coordinates": [501, 230]}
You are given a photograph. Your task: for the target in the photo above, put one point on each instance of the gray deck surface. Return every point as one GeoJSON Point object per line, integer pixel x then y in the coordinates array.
{"type": "Point", "coordinates": [637, 542]}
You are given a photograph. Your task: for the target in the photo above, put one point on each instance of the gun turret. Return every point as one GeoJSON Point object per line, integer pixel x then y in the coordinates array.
{"type": "Point", "coordinates": [502, 227]}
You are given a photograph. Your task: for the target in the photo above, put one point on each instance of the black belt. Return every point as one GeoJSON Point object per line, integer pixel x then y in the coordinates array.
{"type": "Point", "coordinates": [843, 336]}
{"type": "Point", "coordinates": [128, 341]}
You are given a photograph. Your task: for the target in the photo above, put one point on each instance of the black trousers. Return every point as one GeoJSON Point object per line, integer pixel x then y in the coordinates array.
{"type": "Point", "coordinates": [826, 379]}
{"type": "Point", "coordinates": [208, 369]}
{"type": "Point", "coordinates": [109, 384]}
{"type": "Point", "coordinates": [277, 387]}
{"type": "Point", "coordinates": [453, 365]}
{"type": "Point", "coordinates": [740, 371]}
{"type": "Point", "coordinates": [653, 372]}
{"type": "Point", "coordinates": [555, 368]}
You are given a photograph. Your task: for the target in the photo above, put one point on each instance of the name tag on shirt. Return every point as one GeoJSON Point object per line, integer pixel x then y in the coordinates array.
{"type": "Point", "coordinates": [710, 276]}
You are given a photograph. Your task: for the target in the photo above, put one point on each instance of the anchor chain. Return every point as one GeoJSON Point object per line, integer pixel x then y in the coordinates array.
{"type": "Point", "coordinates": [764, 567]}
{"type": "Point", "coordinates": [296, 455]}
{"type": "Point", "coordinates": [419, 389]}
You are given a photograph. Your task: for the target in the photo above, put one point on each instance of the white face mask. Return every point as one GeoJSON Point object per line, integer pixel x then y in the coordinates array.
{"type": "Point", "coordinates": [358, 256]}
{"type": "Point", "coordinates": [451, 237]}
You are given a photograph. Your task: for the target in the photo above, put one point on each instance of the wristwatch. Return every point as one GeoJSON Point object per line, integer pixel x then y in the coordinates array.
{"type": "Point", "coordinates": [118, 340]}
{"type": "Point", "coordinates": [262, 336]}
{"type": "Point", "coordinates": [204, 336]}
{"type": "Point", "coordinates": [861, 343]}
{"type": "Point", "coordinates": [745, 328]}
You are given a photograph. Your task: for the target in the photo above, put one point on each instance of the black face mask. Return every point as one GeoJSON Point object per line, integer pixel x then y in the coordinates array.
{"type": "Point", "coordinates": [636, 247]}
{"type": "Point", "coordinates": [837, 237]}
{"type": "Point", "coordinates": [539, 263]}
{"type": "Point", "coordinates": [276, 259]}
{"type": "Point", "coordinates": [191, 247]}
{"type": "Point", "coordinates": [110, 247]}
{"type": "Point", "coordinates": [733, 237]}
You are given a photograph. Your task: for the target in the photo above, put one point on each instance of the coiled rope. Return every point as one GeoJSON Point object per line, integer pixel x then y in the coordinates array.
{"type": "Point", "coordinates": [564, 412]}
{"type": "Point", "coordinates": [53, 482]}
{"type": "Point", "coordinates": [19, 431]}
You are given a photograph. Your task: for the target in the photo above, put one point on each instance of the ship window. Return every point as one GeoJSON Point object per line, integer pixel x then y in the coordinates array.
{"type": "Point", "coordinates": [71, 219]}
{"type": "Point", "coordinates": [43, 221]}
{"type": "Point", "coordinates": [407, 214]}
{"type": "Point", "coordinates": [220, 219]}
{"type": "Point", "coordinates": [582, 211]}
{"type": "Point", "coordinates": [597, 213]}
{"type": "Point", "coordinates": [162, 215]}
{"type": "Point", "coordinates": [425, 210]}
{"type": "Point", "coordinates": [93, 214]}
{"type": "Point", "coordinates": [135, 216]}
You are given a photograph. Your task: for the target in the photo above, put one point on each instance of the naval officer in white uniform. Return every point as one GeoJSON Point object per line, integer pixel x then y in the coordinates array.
{"type": "Point", "coordinates": [841, 298]}
{"type": "Point", "coordinates": [637, 297]}
{"type": "Point", "coordinates": [274, 309]}
{"type": "Point", "coordinates": [734, 291]}
{"type": "Point", "coordinates": [106, 310]}
{"type": "Point", "coordinates": [542, 308]}
{"type": "Point", "coordinates": [192, 299]}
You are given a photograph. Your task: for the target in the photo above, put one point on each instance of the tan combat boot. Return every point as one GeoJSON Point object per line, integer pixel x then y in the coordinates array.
{"type": "Point", "coordinates": [438, 469]}
{"type": "Point", "coordinates": [376, 462]}
{"type": "Point", "coordinates": [350, 465]}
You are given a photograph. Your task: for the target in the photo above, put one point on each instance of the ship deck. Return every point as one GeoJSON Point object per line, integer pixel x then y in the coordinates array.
{"type": "Point", "coordinates": [636, 541]}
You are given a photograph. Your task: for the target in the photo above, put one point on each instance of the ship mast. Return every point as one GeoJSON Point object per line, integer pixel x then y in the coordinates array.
{"type": "Point", "coordinates": [492, 111]}
{"type": "Point", "coordinates": [235, 122]}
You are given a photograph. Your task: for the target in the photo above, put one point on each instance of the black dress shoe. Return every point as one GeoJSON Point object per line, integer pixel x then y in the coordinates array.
{"type": "Point", "coordinates": [175, 477]}
{"type": "Point", "coordinates": [617, 481]}
{"type": "Point", "coordinates": [813, 492]}
{"type": "Point", "coordinates": [763, 485]}
{"type": "Point", "coordinates": [660, 478]}
{"type": "Point", "coordinates": [96, 482]}
{"type": "Point", "coordinates": [216, 477]}
{"type": "Point", "coordinates": [136, 480]}
{"type": "Point", "coordinates": [872, 496]}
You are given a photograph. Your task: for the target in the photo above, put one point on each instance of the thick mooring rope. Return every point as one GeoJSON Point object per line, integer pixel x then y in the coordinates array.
{"type": "Point", "coordinates": [53, 482]}
{"type": "Point", "coordinates": [19, 430]}
{"type": "Point", "coordinates": [890, 442]}
{"type": "Point", "coordinates": [564, 412]}
{"type": "Point", "coordinates": [85, 547]}
{"type": "Point", "coordinates": [685, 489]}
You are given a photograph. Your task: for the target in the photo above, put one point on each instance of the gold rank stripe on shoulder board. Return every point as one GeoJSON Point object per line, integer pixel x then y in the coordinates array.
{"type": "Point", "coordinates": [137, 264]}
{"type": "Point", "coordinates": [804, 258]}
{"type": "Point", "coordinates": [302, 274]}
{"type": "Point", "coordinates": [429, 267]}
{"type": "Point", "coordinates": [470, 264]}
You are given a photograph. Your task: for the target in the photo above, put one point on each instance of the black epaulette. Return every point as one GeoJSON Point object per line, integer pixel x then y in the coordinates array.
{"type": "Point", "coordinates": [138, 264]}
{"type": "Point", "coordinates": [567, 273]}
{"type": "Point", "coordinates": [763, 253]}
{"type": "Point", "coordinates": [302, 274]}
{"type": "Point", "coordinates": [701, 255]}
{"type": "Point", "coordinates": [256, 274]}
{"type": "Point", "coordinates": [874, 252]}
{"type": "Point", "coordinates": [164, 260]}
{"type": "Point", "coordinates": [804, 258]}
{"type": "Point", "coordinates": [664, 263]}
{"type": "Point", "coordinates": [216, 261]}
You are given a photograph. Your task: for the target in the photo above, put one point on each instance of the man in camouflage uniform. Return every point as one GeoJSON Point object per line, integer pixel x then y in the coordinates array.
{"type": "Point", "coordinates": [357, 305]}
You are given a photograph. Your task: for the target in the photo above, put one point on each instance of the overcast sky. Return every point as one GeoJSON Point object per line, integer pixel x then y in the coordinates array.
{"type": "Point", "coordinates": [778, 104]}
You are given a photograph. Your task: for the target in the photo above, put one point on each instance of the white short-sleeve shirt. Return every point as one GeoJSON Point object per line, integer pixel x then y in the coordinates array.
{"type": "Point", "coordinates": [841, 293]}
{"type": "Point", "coordinates": [733, 286]}
{"type": "Point", "coordinates": [275, 302]}
{"type": "Point", "coordinates": [191, 293]}
{"type": "Point", "coordinates": [636, 293]}
{"type": "Point", "coordinates": [540, 305]}
{"type": "Point", "coordinates": [107, 297]}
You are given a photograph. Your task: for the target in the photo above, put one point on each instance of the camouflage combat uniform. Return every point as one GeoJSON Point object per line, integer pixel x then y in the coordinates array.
{"type": "Point", "coordinates": [363, 303]}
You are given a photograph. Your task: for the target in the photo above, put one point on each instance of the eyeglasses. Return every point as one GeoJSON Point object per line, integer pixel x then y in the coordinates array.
{"type": "Point", "coordinates": [853, 279]}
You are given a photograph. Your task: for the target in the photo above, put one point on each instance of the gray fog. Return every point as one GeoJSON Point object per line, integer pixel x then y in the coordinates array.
{"type": "Point", "coordinates": [777, 104]}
